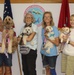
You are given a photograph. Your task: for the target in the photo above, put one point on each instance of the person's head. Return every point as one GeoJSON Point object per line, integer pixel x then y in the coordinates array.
{"type": "Point", "coordinates": [28, 18]}
{"type": "Point", "coordinates": [47, 19]}
{"type": "Point", "coordinates": [72, 20]}
{"type": "Point", "coordinates": [1, 24]}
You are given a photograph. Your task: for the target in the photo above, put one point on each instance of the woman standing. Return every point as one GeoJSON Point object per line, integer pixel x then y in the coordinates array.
{"type": "Point", "coordinates": [5, 57]}
{"type": "Point", "coordinates": [49, 59]}
{"type": "Point", "coordinates": [29, 60]}
{"type": "Point", "coordinates": [69, 49]}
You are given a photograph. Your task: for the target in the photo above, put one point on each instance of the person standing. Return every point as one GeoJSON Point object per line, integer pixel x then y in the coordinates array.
{"type": "Point", "coordinates": [49, 59]}
{"type": "Point", "coordinates": [5, 57]}
{"type": "Point", "coordinates": [69, 49]}
{"type": "Point", "coordinates": [29, 60]}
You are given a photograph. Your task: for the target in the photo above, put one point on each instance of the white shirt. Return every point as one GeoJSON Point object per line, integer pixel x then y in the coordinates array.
{"type": "Point", "coordinates": [69, 49]}
{"type": "Point", "coordinates": [34, 40]}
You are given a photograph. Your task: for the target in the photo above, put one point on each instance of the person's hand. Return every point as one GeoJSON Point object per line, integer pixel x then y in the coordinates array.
{"type": "Point", "coordinates": [65, 38]}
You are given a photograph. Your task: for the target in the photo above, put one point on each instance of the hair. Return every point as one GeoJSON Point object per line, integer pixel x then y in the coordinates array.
{"type": "Point", "coordinates": [72, 15]}
{"type": "Point", "coordinates": [1, 24]}
{"type": "Point", "coordinates": [51, 23]}
{"type": "Point", "coordinates": [1, 20]}
{"type": "Point", "coordinates": [28, 13]}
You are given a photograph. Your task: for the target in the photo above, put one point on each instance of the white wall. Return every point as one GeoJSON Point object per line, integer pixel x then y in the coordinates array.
{"type": "Point", "coordinates": [18, 12]}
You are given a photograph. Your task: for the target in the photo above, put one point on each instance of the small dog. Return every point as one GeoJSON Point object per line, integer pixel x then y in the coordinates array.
{"type": "Point", "coordinates": [49, 34]}
{"type": "Point", "coordinates": [63, 32]}
{"type": "Point", "coordinates": [8, 39]}
{"type": "Point", "coordinates": [26, 32]}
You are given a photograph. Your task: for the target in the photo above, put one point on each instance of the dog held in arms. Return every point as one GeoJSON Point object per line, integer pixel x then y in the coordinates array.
{"type": "Point", "coordinates": [50, 34]}
{"type": "Point", "coordinates": [26, 32]}
{"type": "Point", "coordinates": [9, 41]}
{"type": "Point", "coordinates": [63, 32]}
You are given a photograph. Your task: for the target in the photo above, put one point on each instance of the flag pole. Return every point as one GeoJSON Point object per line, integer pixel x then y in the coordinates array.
{"type": "Point", "coordinates": [19, 62]}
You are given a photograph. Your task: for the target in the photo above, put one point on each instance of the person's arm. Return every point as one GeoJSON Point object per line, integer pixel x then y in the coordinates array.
{"type": "Point", "coordinates": [29, 38]}
{"type": "Point", "coordinates": [71, 43]}
{"type": "Point", "coordinates": [56, 35]}
{"type": "Point", "coordinates": [65, 38]}
{"type": "Point", "coordinates": [55, 41]}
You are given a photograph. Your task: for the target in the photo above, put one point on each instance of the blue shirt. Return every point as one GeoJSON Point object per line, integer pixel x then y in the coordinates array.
{"type": "Point", "coordinates": [53, 51]}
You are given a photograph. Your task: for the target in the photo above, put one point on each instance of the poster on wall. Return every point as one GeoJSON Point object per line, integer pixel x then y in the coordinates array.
{"type": "Point", "coordinates": [37, 12]}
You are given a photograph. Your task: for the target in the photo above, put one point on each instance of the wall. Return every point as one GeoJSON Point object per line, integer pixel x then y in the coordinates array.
{"type": "Point", "coordinates": [18, 13]}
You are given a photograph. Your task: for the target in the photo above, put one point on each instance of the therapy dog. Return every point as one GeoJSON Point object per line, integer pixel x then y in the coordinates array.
{"type": "Point", "coordinates": [50, 35]}
{"type": "Point", "coordinates": [63, 32]}
{"type": "Point", "coordinates": [9, 41]}
{"type": "Point", "coordinates": [26, 32]}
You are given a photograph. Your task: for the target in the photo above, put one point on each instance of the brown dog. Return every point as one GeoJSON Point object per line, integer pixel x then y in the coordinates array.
{"type": "Point", "coordinates": [9, 41]}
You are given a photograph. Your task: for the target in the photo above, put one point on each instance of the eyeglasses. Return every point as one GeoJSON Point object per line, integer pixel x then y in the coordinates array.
{"type": "Point", "coordinates": [28, 17]}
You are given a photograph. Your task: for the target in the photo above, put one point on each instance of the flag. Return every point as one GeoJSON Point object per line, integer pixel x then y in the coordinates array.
{"type": "Point", "coordinates": [64, 18]}
{"type": "Point", "coordinates": [7, 9]}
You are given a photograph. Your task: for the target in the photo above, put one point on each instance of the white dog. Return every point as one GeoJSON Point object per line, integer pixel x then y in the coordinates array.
{"type": "Point", "coordinates": [64, 31]}
{"type": "Point", "coordinates": [26, 32]}
{"type": "Point", "coordinates": [50, 34]}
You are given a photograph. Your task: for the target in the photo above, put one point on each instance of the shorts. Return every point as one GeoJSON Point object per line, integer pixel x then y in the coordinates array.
{"type": "Point", "coordinates": [49, 61]}
{"type": "Point", "coordinates": [5, 61]}
{"type": "Point", "coordinates": [70, 65]}
{"type": "Point", "coordinates": [63, 63]}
